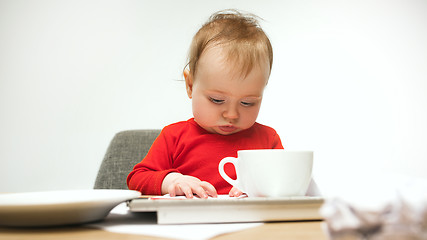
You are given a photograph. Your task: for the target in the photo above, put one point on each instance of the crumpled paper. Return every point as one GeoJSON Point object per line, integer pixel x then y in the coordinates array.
{"type": "Point", "coordinates": [379, 210]}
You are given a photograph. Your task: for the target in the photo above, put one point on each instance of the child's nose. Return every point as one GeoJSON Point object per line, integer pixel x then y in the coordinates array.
{"type": "Point", "coordinates": [231, 112]}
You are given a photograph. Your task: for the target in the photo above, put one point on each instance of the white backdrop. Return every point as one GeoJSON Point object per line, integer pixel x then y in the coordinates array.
{"type": "Point", "coordinates": [349, 81]}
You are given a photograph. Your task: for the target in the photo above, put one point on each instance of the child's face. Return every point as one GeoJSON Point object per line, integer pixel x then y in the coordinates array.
{"type": "Point", "coordinates": [225, 101]}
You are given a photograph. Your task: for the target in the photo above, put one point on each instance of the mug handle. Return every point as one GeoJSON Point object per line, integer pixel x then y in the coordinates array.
{"type": "Point", "coordinates": [224, 175]}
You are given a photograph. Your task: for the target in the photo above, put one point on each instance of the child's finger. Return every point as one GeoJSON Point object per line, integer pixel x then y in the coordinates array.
{"type": "Point", "coordinates": [237, 193]}
{"type": "Point", "coordinates": [172, 190]}
{"type": "Point", "coordinates": [188, 192]}
{"type": "Point", "coordinates": [209, 188]}
{"type": "Point", "coordinates": [234, 192]}
{"type": "Point", "coordinates": [200, 191]}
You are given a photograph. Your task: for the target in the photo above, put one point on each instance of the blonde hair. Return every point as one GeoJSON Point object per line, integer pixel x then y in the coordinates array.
{"type": "Point", "coordinates": [239, 34]}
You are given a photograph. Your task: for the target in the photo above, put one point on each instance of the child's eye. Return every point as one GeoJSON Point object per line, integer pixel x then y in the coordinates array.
{"type": "Point", "coordinates": [216, 101]}
{"type": "Point", "coordinates": [247, 104]}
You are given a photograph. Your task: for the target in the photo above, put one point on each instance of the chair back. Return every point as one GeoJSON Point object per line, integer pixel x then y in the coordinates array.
{"type": "Point", "coordinates": [126, 149]}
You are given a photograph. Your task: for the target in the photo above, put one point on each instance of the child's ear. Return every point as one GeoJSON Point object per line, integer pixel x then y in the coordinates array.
{"type": "Point", "coordinates": [188, 83]}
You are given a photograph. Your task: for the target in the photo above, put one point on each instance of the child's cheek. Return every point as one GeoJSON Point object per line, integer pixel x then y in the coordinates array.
{"type": "Point", "coordinates": [203, 113]}
{"type": "Point", "coordinates": [249, 117]}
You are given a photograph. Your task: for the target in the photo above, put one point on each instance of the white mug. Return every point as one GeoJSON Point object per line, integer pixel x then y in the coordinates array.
{"type": "Point", "coordinates": [270, 172]}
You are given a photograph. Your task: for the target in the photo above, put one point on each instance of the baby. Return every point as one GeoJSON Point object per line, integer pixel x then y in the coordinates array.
{"type": "Point", "coordinates": [229, 66]}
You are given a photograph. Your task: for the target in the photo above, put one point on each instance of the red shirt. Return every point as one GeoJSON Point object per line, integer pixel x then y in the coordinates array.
{"type": "Point", "coordinates": [187, 148]}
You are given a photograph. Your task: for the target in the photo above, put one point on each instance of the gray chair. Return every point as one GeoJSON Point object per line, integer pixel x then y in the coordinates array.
{"type": "Point", "coordinates": [126, 149]}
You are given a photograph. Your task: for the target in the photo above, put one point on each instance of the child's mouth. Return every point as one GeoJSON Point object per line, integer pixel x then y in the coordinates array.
{"type": "Point", "coordinates": [227, 129]}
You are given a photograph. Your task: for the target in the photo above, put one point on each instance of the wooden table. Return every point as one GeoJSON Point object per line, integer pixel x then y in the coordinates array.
{"type": "Point", "coordinates": [310, 230]}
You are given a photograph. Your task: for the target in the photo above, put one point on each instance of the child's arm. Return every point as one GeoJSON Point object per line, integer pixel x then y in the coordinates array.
{"type": "Point", "coordinates": [147, 176]}
{"type": "Point", "coordinates": [177, 184]}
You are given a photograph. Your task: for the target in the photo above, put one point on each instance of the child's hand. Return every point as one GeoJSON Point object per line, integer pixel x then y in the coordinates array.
{"type": "Point", "coordinates": [178, 184]}
{"type": "Point", "coordinates": [234, 192]}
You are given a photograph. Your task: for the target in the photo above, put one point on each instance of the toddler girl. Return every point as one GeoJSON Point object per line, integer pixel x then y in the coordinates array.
{"type": "Point", "coordinates": [229, 65]}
